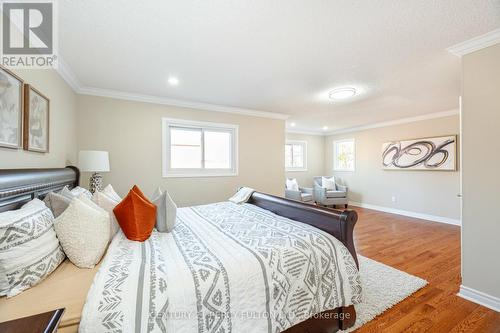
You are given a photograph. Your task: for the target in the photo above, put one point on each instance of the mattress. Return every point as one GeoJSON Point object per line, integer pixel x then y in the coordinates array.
{"type": "Point", "coordinates": [224, 268]}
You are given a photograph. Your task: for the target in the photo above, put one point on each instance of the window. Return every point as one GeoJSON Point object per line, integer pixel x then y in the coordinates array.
{"type": "Point", "coordinates": [199, 149]}
{"type": "Point", "coordinates": [296, 155]}
{"type": "Point", "coordinates": [344, 155]}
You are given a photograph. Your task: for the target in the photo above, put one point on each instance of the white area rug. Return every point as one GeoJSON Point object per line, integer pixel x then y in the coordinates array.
{"type": "Point", "coordinates": [383, 287]}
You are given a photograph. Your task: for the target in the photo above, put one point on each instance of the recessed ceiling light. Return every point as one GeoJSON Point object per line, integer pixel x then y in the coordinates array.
{"type": "Point", "coordinates": [173, 81]}
{"type": "Point", "coordinates": [325, 128]}
{"type": "Point", "coordinates": [292, 124]}
{"type": "Point", "coordinates": [342, 93]}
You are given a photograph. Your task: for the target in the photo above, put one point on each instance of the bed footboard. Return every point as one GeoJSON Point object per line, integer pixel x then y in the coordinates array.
{"type": "Point", "coordinates": [339, 224]}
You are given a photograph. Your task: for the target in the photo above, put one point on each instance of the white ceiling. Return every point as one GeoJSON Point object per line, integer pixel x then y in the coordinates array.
{"type": "Point", "coordinates": [278, 56]}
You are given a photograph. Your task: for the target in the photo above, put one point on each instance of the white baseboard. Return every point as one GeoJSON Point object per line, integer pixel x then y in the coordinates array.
{"type": "Point", "coordinates": [479, 297]}
{"type": "Point", "coordinates": [422, 216]}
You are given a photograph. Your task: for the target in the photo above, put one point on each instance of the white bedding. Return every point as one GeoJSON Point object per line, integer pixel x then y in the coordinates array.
{"type": "Point", "coordinates": [224, 268]}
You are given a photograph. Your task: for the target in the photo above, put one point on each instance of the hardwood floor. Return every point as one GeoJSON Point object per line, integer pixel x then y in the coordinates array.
{"type": "Point", "coordinates": [431, 251]}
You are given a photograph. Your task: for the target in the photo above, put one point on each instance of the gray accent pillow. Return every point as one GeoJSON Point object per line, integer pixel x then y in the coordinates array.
{"type": "Point", "coordinates": [166, 211]}
{"type": "Point", "coordinates": [57, 203]}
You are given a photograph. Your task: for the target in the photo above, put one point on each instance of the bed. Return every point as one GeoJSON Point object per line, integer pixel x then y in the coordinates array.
{"type": "Point", "coordinates": [274, 221]}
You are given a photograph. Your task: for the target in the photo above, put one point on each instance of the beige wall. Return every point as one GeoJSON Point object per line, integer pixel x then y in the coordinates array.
{"type": "Point", "coordinates": [131, 132]}
{"type": "Point", "coordinates": [62, 149]}
{"type": "Point", "coordinates": [315, 158]}
{"type": "Point", "coordinates": [481, 165]}
{"type": "Point", "coordinates": [425, 192]}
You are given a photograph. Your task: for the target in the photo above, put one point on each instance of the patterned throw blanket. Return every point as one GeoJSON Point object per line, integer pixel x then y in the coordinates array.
{"type": "Point", "coordinates": [224, 268]}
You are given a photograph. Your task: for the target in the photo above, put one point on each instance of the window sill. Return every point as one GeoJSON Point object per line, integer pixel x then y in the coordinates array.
{"type": "Point", "coordinates": [199, 175]}
{"type": "Point", "coordinates": [295, 170]}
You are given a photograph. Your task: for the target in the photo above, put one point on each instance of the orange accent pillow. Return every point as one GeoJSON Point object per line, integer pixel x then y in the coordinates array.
{"type": "Point", "coordinates": [136, 215]}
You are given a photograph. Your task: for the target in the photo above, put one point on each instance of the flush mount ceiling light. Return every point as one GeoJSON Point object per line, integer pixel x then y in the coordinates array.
{"type": "Point", "coordinates": [325, 128]}
{"type": "Point", "coordinates": [173, 81]}
{"type": "Point", "coordinates": [292, 124]}
{"type": "Point", "coordinates": [342, 93]}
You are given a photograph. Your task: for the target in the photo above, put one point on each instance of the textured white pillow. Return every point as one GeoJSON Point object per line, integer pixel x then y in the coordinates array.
{"type": "Point", "coordinates": [107, 203]}
{"type": "Point", "coordinates": [328, 183]}
{"type": "Point", "coordinates": [166, 211]}
{"type": "Point", "coordinates": [29, 249]}
{"type": "Point", "coordinates": [110, 192]}
{"type": "Point", "coordinates": [73, 193]}
{"type": "Point", "coordinates": [83, 233]}
{"type": "Point", "coordinates": [291, 184]}
{"type": "Point", "coordinates": [80, 190]}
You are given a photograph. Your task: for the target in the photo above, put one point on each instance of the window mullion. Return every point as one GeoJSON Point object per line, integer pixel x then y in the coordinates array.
{"type": "Point", "coordinates": [203, 148]}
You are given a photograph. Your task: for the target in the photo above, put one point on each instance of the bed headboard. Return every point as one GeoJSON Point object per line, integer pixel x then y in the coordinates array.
{"type": "Point", "coordinates": [18, 186]}
{"type": "Point", "coordinates": [339, 224]}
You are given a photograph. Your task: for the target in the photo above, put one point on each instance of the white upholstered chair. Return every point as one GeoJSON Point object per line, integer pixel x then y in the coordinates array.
{"type": "Point", "coordinates": [303, 194]}
{"type": "Point", "coordinates": [329, 197]}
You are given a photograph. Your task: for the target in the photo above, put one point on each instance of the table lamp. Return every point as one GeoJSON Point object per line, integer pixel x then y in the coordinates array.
{"type": "Point", "coordinates": [94, 161]}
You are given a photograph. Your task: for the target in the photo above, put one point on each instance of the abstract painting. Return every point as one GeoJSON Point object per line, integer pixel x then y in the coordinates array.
{"type": "Point", "coordinates": [438, 153]}
{"type": "Point", "coordinates": [11, 109]}
{"type": "Point", "coordinates": [36, 120]}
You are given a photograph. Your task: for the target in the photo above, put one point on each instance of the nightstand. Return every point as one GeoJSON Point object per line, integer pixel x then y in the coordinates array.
{"type": "Point", "coordinates": [46, 322]}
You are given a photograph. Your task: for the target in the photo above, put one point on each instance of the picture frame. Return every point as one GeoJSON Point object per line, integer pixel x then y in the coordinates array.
{"type": "Point", "coordinates": [36, 120]}
{"type": "Point", "coordinates": [11, 109]}
{"type": "Point", "coordinates": [438, 153]}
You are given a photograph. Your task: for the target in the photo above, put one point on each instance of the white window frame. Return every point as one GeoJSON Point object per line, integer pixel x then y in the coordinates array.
{"type": "Point", "coordinates": [304, 147]}
{"type": "Point", "coordinates": [335, 165]}
{"type": "Point", "coordinates": [168, 172]}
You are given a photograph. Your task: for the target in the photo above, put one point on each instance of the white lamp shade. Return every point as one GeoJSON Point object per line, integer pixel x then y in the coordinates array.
{"type": "Point", "coordinates": [93, 161]}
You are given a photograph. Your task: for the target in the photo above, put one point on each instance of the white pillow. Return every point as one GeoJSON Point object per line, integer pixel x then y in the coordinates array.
{"type": "Point", "coordinates": [166, 211]}
{"type": "Point", "coordinates": [29, 249]}
{"type": "Point", "coordinates": [291, 184]}
{"type": "Point", "coordinates": [75, 192]}
{"type": "Point", "coordinates": [83, 232]}
{"type": "Point", "coordinates": [328, 183]}
{"type": "Point", "coordinates": [107, 203]}
{"type": "Point", "coordinates": [110, 192]}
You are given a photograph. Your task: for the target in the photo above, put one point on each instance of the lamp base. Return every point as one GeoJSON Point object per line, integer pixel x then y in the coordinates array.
{"type": "Point", "coordinates": [95, 183]}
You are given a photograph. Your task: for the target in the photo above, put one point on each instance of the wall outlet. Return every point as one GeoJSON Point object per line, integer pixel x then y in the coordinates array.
{"type": "Point", "coordinates": [394, 199]}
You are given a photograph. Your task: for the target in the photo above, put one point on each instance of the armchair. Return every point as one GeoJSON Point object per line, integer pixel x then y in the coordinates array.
{"type": "Point", "coordinates": [330, 197]}
{"type": "Point", "coordinates": [303, 194]}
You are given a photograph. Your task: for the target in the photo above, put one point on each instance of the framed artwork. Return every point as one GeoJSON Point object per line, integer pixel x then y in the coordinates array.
{"type": "Point", "coordinates": [36, 120]}
{"type": "Point", "coordinates": [430, 154]}
{"type": "Point", "coordinates": [11, 109]}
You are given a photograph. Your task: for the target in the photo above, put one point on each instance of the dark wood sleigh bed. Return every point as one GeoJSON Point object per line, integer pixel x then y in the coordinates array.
{"type": "Point", "coordinates": [18, 186]}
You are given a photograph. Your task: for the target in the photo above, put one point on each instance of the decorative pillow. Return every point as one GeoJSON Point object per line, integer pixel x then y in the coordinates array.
{"type": "Point", "coordinates": [80, 190]}
{"type": "Point", "coordinates": [66, 192]}
{"type": "Point", "coordinates": [328, 183]}
{"type": "Point", "coordinates": [57, 203]}
{"type": "Point", "coordinates": [29, 249]}
{"type": "Point", "coordinates": [108, 204]}
{"type": "Point", "coordinates": [291, 184]}
{"type": "Point", "coordinates": [73, 193]}
{"type": "Point", "coordinates": [166, 211]}
{"type": "Point", "coordinates": [136, 215]}
{"type": "Point", "coordinates": [110, 192]}
{"type": "Point", "coordinates": [83, 232]}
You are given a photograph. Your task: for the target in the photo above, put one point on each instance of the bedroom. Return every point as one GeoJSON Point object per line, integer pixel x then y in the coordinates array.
{"type": "Point", "coordinates": [201, 99]}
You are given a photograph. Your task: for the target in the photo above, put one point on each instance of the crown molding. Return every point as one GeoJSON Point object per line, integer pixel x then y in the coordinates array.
{"type": "Point", "coordinates": [298, 131]}
{"type": "Point", "coordinates": [428, 116]}
{"type": "Point", "coordinates": [179, 103]}
{"type": "Point", "coordinates": [67, 74]}
{"type": "Point", "coordinates": [475, 44]}
{"type": "Point", "coordinates": [71, 79]}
